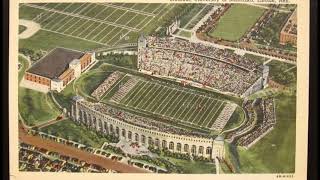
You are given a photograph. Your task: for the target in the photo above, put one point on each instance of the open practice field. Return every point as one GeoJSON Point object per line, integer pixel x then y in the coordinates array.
{"type": "Point", "coordinates": [274, 153]}
{"type": "Point", "coordinates": [34, 107]}
{"type": "Point", "coordinates": [236, 21]}
{"type": "Point", "coordinates": [173, 103]}
{"type": "Point", "coordinates": [101, 23]}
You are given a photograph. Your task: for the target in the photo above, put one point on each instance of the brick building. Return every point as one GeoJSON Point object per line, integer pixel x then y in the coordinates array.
{"type": "Point", "coordinates": [58, 68]}
{"type": "Point", "coordinates": [288, 33]}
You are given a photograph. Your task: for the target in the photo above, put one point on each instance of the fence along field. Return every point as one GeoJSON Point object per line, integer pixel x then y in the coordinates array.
{"type": "Point", "coordinates": [175, 104]}
{"type": "Point", "coordinates": [101, 23]}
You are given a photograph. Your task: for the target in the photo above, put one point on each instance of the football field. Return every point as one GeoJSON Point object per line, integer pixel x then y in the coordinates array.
{"type": "Point", "coordinates": [173, 103]}
{"type": "Point", "coordinates": [236, 21]}
{"type": "Point", "coordinates": [102, 23]}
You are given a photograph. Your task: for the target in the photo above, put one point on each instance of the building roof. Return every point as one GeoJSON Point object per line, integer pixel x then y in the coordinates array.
{"type": "Point", "coordinates": [55, 63]}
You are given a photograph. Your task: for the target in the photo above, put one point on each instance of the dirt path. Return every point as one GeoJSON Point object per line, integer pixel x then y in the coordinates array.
{"type": "Point", "coordinates": [77, 153]}
{"type": "Point", "coordinates": [32, 28]}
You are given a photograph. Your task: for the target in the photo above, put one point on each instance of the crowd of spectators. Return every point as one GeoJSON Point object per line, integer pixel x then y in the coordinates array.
{"type": "Point", "coordinates": [141, 121]}
{"type": "Point", "coordinates": [106, 84]}
{"type": "Point", "coordinates": [224, 117]}
{"type": "Point", "coordinates": [249, 124]}
{"type": "Point", "coordinates": [216, 68]}
{"type": "Point", "coordinates": [32, 158]}
{"type": "Point", "coordinates": [268, 121]}
{"type": "Point", "coordinates": [124, 89]}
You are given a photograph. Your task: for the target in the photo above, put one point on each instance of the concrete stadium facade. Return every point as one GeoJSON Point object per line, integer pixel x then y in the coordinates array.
{"type": "Point", "coordinates": [198, 146]}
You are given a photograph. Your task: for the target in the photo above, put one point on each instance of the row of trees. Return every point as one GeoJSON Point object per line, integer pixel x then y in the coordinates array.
{"type": "Point", "coordinates": [33, 55]}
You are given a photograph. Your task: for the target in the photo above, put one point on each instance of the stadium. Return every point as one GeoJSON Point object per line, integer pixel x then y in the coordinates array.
{"type": "Point", "coordinates": [176, 117]}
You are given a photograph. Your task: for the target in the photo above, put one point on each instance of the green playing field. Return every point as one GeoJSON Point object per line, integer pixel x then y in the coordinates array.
{"type": "Point", "coordinates": [236, 21]}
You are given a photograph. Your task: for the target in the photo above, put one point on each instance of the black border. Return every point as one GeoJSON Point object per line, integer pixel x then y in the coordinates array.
{"type": "Point", "coordinates": [313, 146]}
{"type": "Point", "coordinates": [4, 102]}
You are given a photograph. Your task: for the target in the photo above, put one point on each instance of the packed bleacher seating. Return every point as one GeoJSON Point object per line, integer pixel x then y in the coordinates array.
{"type": "Point", "coordinates": [209, 66]}
{"type": "Point", "coordinates": [224, 117]}
{"type": "Point", "coordinates": [106, 84]}
{"type": "Point", "coordinates": [249, 124]}
{"type": "Point", "coordinates": [140, 121]}
{"type": "Point", "coordinates": [261, 129]}
{"type": "Point", "coordinates": [124, 89]}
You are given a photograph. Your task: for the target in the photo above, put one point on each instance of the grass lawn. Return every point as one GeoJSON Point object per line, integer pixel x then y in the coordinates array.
{"type": "Point", "coordinates": [24, 66]}
{"type": "Point", "coordinates": [28, 13]}
{"type": "Point", "coordinates": [70, 130]}
{"type": "Point", "coordinates": [36, 107]}
{"type": "Point", "coordinates": [275, 153]}
{"type": "Point", "coordinates": [236, 21]}
{"type": "Point", "coordinates": [46, 40]}
{"type": "Point", "coordinates": [185, 33]}
{"type": "Point", "coordinates": [236, 119]}
{"type": "Point", "coordinates": [64, 97]}
{"type": "Point", "coordinates": [22, 28]}
{"type": "Point", "coordinates": [127, 61]}
{"type": "Point", "coordinates": [88, 82]}
{"type": "Point", "coordinates": [193, 167]}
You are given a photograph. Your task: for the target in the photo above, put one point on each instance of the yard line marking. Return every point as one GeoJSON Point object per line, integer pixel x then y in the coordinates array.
{"type": "Point", "coordinates": [93, 30]}
{"type": "Point", "coordinates": [214, 115]}
{"type": "Point", "coordinates": [186, 95]}
{"type": "Point", "coordinates": [88, 5]}
{"type": "Point", "coordinates": [73, 12]}
{"type": "Point", "coordinates": [141, 22]}
{"type": "Point", "coordinates": [188, 111]}
{"type": "Point", "coordinates": [201, 113]}
{"type": "Point", "coordinates": [188, 120]}
{"type": "Point", "coordinates": [129, 9]}
{"type": "Point", "coordinates": [152, 93]}
{"type": "Point", "coordinates": [131, 19]}
{"type": "Point", "coordinates": [85, 14]}
{"type": "Point", "coordinates": [121, 38]}
{"type": "Point", "coordinates": [115, 36]}
{"type": "Point", "coordinates": [135, 95]}
{"type": "Point", "coordinates": [183, 106]}
{"type": "Point", "coordinates": [100, 12]}
{"type": "Point", "coordinates": [136, 100]}
{"type": "Point", "coordinates": [110, 14]}
{"type": "Point", "coordinates": [173, 103]}
{"type": "Point", "coordinates": [52, 21]}
{"type": "Point", "coordinates": [165, 99]}
{"type": "Point", "coordinates": [107, 34]}
{"type": "Point", "coordinates": [100, 31]}
{"type": "Point", "coordinates": [143, 94]}
{"type": "Point", "coordinates": [213, 110]}
{"type": "Point", "coordinates": [58, 22]}
{"type": "Point", "coordinates": [72, 25]}
{"type": "Point", "coordinates": [206, 112]}
{"type": "Point", "coordinates": [158, 8]}
{"type": "Point", "coordinates": [195, 16]}
{"type": "Point", "coordinates": [86, 29]}
{"type": "Point", "coordinates": [148, 100]}
{"type": "Point", "coordinates": [67, 7]}
{"type": "Point", "coordinates": [145, 7]}
{"type": "Point", "coordinates": [136, 88]}
{"type": "Point", "coordinates": [120, 17]}
{"type": "Point", "coordinates": [65, 24]}
{"type": "Point", "coordinates": [109, 90]}
{"type": "Point", "coordinates": [79, 27]}
{"type": "Point", "coordinates": [153, 104]}
{"type": "Point", "coordinates": [40, 21]}
{"type": "Point", "coordinates": [88, 18]}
